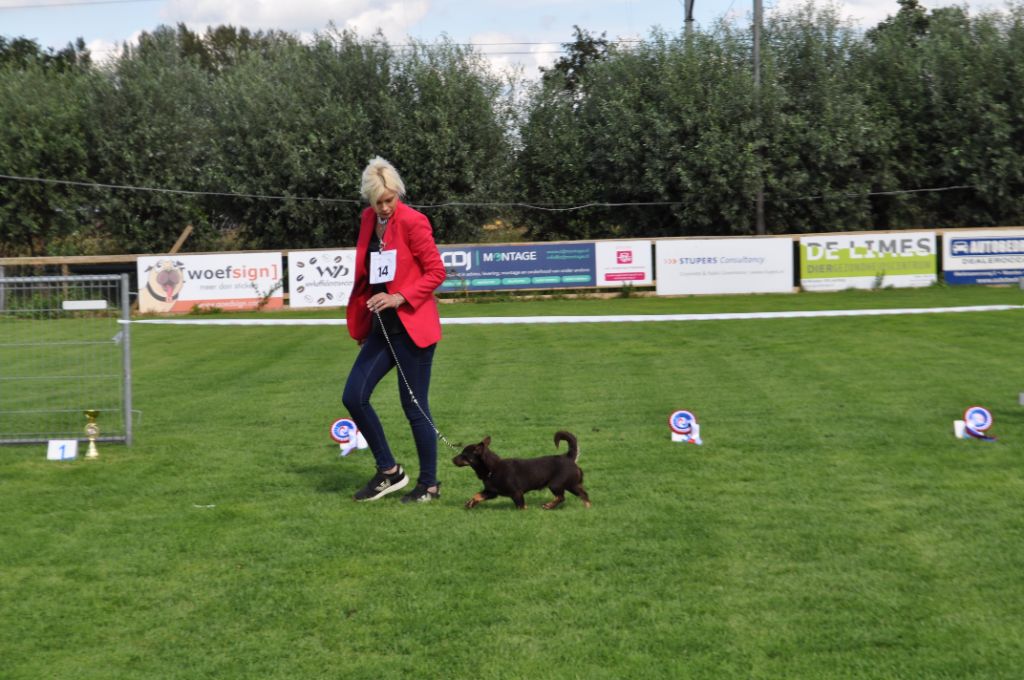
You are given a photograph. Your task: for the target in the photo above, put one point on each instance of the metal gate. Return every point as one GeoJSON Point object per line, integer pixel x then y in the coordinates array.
{"type": "Point", "coordinates": [65, 348]}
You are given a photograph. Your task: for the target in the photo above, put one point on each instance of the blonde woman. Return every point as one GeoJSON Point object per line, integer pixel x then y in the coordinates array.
{"type": "Point", "coordinates": [398, 268]}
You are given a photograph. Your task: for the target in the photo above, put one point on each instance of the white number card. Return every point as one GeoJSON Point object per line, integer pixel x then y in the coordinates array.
{"type": "Point", "coordinates": [62, 449]}
{"type": "Point", "coordinates": [382, 266]}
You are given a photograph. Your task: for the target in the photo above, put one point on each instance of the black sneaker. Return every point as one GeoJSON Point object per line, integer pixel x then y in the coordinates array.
{"type": "Point", "coordinates": [420, 494]}
{"type": "Point", "coordinates": [382, 484]}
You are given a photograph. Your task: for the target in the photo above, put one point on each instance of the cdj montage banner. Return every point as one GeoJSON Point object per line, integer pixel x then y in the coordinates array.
{"type": "Point", "coordinates": [518, 266]}
{"type": "Point", "coordinates": [983, 257]}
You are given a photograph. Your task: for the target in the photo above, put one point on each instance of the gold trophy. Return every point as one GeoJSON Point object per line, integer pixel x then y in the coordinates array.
{"type": "Point", "coordinates": [92, 430]}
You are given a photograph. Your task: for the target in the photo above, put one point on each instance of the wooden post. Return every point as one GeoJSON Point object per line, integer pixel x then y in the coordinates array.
{"type": "Point", "coordinates": [185, 233]}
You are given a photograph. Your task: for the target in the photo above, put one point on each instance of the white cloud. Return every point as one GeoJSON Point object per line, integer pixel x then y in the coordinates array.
{"type": "Point", "coordinates": [393, 17]}
{"type": "Point", "coordinates": [869, 13]}
{"type": "Point", "coordinates": [507, 52]}
{"type": "Point", "coordinates": [393, 20]}
{"type": "Point", "coordinates": [103, 51]}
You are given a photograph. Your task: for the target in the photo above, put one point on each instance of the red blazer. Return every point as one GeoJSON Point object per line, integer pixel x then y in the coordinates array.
{"type": "Point", "coordinates": [419, 273]}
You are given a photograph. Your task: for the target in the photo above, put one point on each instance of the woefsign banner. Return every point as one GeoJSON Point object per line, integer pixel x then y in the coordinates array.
{"type": "Point", "coordinates": [978, 256]}
{"type": "Point", "coordinates": [694, 266]}
{"type": "Point", "coordinates": [518, 266]}
{"type": "Point", "coordinates": [836, 261]}
{"type": "Point", "coordinates": [230, 281]}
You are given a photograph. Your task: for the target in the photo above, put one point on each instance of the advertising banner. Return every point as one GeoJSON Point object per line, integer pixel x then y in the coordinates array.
{"type": "Point", "coordinates": [518, 266]}
{"type": "Point", "coordinates": [320, 278]}
{"type": "Point", "coordinates": [623, 263]}
{"type": "Point", "coordinates": [838, 261]}
{"type": "Point", "coordinates": [231, 281]}
{"type": "Point", "coordinates": [721, 266]}
{"type": "Point", "coordinates": [983, 257]}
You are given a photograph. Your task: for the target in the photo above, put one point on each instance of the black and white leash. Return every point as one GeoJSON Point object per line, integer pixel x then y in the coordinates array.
{"type": "Point", "coordinates": [408, 387]}
{"type": "Point", "coordinates": [394, 355]}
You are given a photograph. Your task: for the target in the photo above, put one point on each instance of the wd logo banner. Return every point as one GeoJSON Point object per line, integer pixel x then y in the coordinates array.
{"type": "Point", "coordinates": [979, 256]}
{"type": "Point", "coordinates": [320, 278]}
{"type": "Point", "coordinates": [512, 267]}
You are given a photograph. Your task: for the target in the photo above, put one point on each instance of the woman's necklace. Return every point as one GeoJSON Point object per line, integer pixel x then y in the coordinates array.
{"type": "Point", "coordinates": [382, 228]}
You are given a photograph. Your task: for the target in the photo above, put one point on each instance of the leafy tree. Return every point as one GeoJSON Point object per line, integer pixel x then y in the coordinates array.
{"type": "Point", "coordinates": [222, 47]}
{"type": "Point", "coordinates": [23, 53]}
{"type": "Point", "coordinates": [44, 117]}
{"type": "Point", "coordinates": [296, 123]}
{"type": "Point", "coordinates": [451, 140]}
{"type": "Point", "coordinates": [665, 124]}
{"type": "Point", "coordinates": [822, 140]}
{"type": "Point", "coordinates": [949, 89]}
{"type": "Point", "coordinates": [569, 70]}
{"type": "Point", "coordinates": [303, 122]}
{"type": "Point", "coordinates": [152, 130]}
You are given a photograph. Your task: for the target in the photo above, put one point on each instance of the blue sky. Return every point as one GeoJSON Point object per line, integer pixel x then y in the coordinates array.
{"type": "Point", "coordinates": [538, 26]}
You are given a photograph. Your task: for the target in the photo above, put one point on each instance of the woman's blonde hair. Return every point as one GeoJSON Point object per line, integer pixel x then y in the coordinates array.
{"type": "Point", "coordinates": [378, 177]}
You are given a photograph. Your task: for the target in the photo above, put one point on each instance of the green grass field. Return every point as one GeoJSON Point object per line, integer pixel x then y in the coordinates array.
{"type": "Point", "coordinates": [829, 527]}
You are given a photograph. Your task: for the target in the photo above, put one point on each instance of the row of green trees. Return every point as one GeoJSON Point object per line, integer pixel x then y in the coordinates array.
{"type": "Point", "coordinates": [258, 139]}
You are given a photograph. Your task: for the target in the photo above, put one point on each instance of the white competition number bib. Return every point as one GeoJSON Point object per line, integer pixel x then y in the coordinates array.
{"type": "Point", "coordinates": [382, 266]}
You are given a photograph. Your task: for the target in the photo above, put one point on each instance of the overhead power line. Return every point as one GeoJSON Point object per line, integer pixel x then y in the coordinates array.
{"type": "Point", "coordinates": [183, 192]}
{"type": "Point", "coordinates": [45, 5]}
{"type": "Point", "coordinates": [547, 207]}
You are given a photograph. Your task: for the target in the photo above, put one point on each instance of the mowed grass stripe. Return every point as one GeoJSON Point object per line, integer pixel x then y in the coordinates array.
{"type": "Point", "coordinates": [829, 527]}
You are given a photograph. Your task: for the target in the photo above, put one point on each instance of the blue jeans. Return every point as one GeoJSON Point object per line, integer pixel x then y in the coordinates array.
{"type": "Point", "coordinates": [371, 365]}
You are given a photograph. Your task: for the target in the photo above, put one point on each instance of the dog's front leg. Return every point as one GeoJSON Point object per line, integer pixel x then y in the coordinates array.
{"type": "Point", "coordinates": [519, 500]}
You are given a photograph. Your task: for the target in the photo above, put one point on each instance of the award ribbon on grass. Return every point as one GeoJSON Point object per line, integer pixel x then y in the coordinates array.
{"type": "Point", "coordinates": [345, 432]}
{"type": "Point", "coordinates": [684, 427]}
{"type": "Point", "coordinates": [977, 421]}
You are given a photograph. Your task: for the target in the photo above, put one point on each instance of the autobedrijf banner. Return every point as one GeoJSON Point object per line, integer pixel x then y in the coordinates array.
{"type": "Point", "coordinates": [320, 278]}
{"type": "Point", "coordinates": [512, 267]}
{"type": "Point", "coordinates": [837, 261]}
{"type": "Point", "coordinates": [229, 281]}
{"type": "Point", "coordinates": [983, 257]}
{"type": "Point", "coordinates": [721, 266]}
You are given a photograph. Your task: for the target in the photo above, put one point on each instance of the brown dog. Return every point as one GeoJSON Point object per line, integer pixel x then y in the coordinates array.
{"type": "Point", "coordinates": [513, 477]}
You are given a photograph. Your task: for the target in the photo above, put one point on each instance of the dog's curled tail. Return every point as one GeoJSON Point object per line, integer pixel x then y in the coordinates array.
{"type": "Point", "coordinates": [574, 448]}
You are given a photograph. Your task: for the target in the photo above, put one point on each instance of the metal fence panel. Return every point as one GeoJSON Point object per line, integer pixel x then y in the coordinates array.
{"type": "Point", "coordinates": [64, 350]}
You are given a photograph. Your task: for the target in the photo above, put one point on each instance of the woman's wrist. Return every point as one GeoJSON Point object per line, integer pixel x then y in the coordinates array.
{"type": "Point", "coordinates": [401, 299]}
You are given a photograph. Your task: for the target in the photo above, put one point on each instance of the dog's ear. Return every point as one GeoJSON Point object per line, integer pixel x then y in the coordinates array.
{"type": "Point", "coordinates": [486, 441]}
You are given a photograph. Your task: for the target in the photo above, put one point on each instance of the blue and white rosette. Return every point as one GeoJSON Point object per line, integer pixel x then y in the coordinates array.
{"type": "Point", "coordinates": [977, 421]}
{"type": "Point", "coordinates": [684, 427]}
{"type": "Point", "coordinates": [345, 432]}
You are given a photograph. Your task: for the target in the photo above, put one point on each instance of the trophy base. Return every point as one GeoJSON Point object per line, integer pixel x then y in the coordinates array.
{"type": "Point", "coordinates": [92, 452]}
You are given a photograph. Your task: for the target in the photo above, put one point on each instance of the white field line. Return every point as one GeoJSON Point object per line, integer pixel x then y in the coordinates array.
{"type": "Point", "coordinates": [627, 318]}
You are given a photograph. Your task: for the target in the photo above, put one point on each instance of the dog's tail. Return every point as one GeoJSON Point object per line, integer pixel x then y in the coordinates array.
{"type": "Point", "coordinates": [574, 448]}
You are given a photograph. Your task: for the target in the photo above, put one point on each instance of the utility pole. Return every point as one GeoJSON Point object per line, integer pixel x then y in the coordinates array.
{"type": "Point", "coordinates": [759, 218]}
{"type": "Point", "coordinates": [689, 20]}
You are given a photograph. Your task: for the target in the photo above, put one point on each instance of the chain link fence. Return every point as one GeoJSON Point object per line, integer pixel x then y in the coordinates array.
{"type": "Point", "coordinates": [64, 350]}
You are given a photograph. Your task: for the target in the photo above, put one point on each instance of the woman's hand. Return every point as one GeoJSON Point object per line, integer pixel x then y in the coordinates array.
{"type": "Point", "coordinates": [381, 301]}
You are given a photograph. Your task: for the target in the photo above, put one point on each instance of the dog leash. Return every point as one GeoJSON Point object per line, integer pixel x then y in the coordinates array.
{"type": "Point", "coordinates": [405, 381]}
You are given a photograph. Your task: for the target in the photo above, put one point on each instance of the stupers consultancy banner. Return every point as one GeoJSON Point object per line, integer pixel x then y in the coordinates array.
{"type": "Point", "coordinates": [728, 265]}
{"type": "Point", "coordinates": [519, 266]}
{"type": "Point", "coordinates": [836, 261]}
{"type": "Point", "coordinates": [985, 257]}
